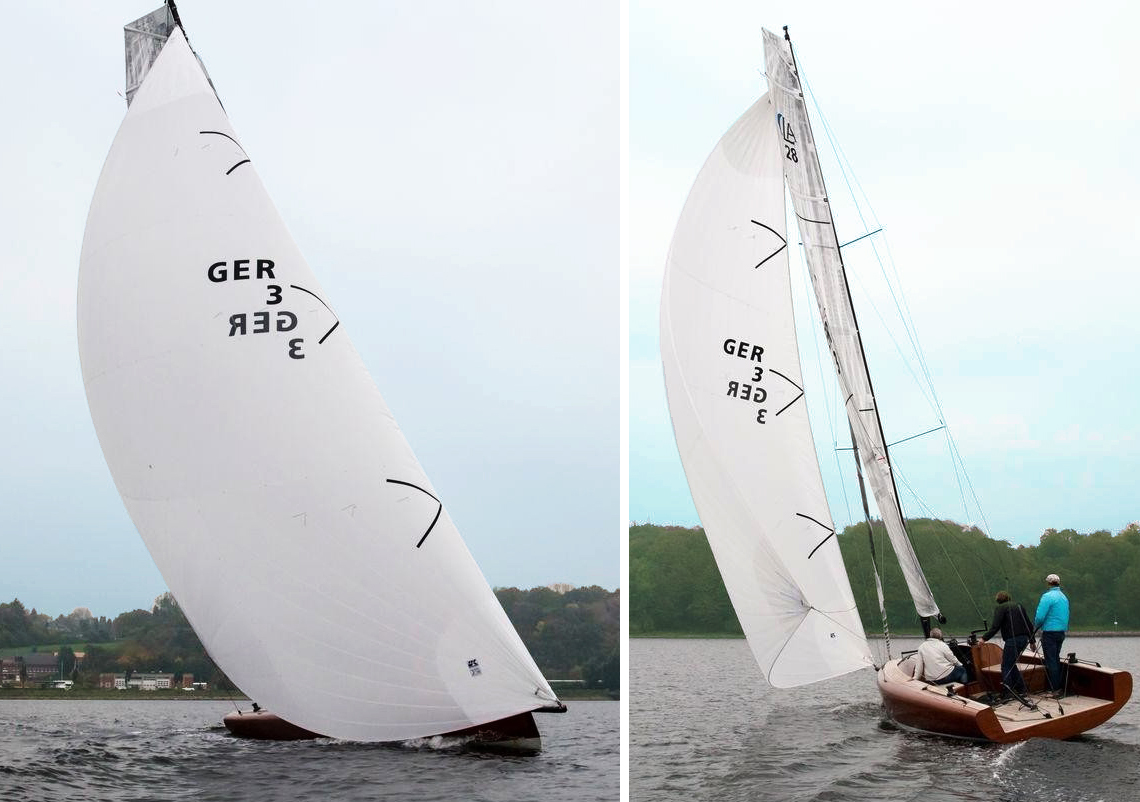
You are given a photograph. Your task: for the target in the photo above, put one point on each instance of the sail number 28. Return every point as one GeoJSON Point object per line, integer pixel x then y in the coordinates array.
{"type": "Point", "coordinates": [785, 126]}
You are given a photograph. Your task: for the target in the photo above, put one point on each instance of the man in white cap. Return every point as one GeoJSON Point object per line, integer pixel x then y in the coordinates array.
{"type": "Point", "coordinates": [1053, 619]}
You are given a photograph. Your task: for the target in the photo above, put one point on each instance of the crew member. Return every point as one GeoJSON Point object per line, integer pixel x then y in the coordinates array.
{"type": "Point", "coordinates": [1052, 619]}
{"type": "Point", "coordinates": [1016, 632]}
{"type": "Point", "coordinates": [935, 663]}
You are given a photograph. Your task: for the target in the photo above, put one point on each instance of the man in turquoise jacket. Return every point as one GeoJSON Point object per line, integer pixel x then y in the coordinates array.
{"type": "Point", "coordinates": [1052, 619]}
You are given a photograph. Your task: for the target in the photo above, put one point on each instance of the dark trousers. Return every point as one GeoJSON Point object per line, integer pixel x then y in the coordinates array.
{"type": "Point", "coordinates": [1051, 646]}
{"type": "Point", "coordinates": [958, 674]}
{"type": "Point", "coordinates": [1010, 675]}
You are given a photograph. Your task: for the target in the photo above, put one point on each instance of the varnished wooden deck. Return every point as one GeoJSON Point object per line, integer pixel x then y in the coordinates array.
{"type": "Point", "coordinates": [1014, 716]}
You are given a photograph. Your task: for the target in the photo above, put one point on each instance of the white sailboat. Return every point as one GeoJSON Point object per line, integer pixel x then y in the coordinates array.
{"type": "Point", "coordinates": [256, 456]}
{"type": "Point", "coordinates": [735, 392]}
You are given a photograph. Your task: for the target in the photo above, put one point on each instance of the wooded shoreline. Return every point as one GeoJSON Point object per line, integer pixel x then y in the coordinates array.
{"type": "Point", "coordinates": [572, 635]}
{"type": "Point", "coordinates": [675, 586]}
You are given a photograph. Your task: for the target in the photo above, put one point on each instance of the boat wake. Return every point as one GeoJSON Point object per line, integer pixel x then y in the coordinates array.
{"type": "Point", "coordinates": [436, 743]}
{"type": "Point", "coordinates": [1004, 757]}
{"type": "Point", "coordinates": [1097, 769]}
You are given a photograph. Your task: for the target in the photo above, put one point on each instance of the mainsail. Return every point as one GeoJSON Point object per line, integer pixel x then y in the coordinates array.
{"type": "Point", "coordinates": [143, 40]}
{"type": "Point", "coordinates": [255, 455]}
{"type": "Point", "coordinates": [825, 265]}
{"type": "Point", "coordinates": [732, 375]}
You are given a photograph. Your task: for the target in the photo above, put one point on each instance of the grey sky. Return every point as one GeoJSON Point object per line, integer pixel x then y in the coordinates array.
{"type": "Point", "coordinates": [997, 147]}
{"type": "Point", "coordinates": [450, 172]}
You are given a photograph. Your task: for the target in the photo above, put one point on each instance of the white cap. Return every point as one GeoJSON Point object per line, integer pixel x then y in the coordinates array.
{"type": "Point", "coordinates": [1053, 579]}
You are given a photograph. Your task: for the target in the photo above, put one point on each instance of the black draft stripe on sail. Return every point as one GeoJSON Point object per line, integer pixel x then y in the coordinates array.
{"type": "Point", "coordinates": [794, 400]}
{"type": "Point", "coordinates": [830, 532]}
{"type": "Point", "coordinates": [438, 512]}
{"type": "Point", "coordinates": [783, 242]}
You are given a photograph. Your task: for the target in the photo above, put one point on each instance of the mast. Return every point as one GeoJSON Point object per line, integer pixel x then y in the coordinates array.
{"type": "Point", "coordinates": [837, 311]}
{"type": "Point", "coordinates": [855, 318]}
{"type": "Point", "coordinates": [178, 21]}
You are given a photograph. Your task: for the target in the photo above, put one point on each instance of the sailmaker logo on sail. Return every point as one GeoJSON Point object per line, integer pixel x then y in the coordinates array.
{"type": "Point", "coordinates": [789, 137]}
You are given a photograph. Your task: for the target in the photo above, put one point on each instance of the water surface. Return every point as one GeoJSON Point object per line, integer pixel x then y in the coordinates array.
{"type": "Point", "coordinates": [139, 751]}
{"type": "Point", "coordinates": [705, 725]}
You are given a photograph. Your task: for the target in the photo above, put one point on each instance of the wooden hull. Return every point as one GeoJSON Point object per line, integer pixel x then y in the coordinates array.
{"type": "Point", "coordinates": [516, 734]}
{"type": "Point", "coordinates": [265, 726]}
{"type": "Point", "coordinates": [1094, 695]}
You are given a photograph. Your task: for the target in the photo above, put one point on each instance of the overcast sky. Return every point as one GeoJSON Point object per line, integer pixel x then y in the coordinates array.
{"type": "Point", "coordinates": [997, 147]}
{"type": "Point", "coordinates": [450, 171]}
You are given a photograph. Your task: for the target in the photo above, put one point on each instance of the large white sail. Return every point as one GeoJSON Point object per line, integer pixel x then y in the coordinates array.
{"type": "Point", "coordinates": [825, 264]}
{"type": "Point", "coordinates": [255, 455]}
{"type": "Point", "coordinates": [732, 375]}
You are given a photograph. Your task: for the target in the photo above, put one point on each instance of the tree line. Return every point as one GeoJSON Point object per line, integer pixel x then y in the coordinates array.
{"type": "Point", "coordinates": [573, 635]}
{"type": "Point", "coordinates": [675, 587]}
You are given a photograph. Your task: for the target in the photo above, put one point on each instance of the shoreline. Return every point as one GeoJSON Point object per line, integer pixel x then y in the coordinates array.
{"type": "Point", "coordinates": [131, 695]}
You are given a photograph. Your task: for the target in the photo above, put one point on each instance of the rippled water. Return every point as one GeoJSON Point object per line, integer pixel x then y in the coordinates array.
{"type": "Point", "coordinates": [705, 725]}
{"type": "Point", "coordinates": [144, 750]}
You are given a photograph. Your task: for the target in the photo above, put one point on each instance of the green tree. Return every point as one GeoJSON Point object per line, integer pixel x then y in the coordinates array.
{"type": "Point", "coordinates": [675, 586]}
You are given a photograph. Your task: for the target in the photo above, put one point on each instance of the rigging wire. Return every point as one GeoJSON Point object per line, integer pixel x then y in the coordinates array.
{"type": "Point", "coordinates": [922, 388]}
{"type": "Point", "coordinates": [856, 420]}
{"type": "Point", "coordinates": [902, 308]}
{"type": "Point", "coordinates": [946, 554]}
{"type": "Point", "coordinates": [901, 304]}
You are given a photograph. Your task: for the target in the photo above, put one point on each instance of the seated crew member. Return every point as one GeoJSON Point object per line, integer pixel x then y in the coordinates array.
{"type": "Point", "coordinates": [935, 663]}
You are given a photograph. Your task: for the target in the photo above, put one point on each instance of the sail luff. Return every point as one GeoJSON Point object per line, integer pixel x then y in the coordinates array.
{"type": "Point", "coordinates": [808, 191]}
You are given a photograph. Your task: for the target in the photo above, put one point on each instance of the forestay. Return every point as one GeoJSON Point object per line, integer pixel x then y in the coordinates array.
{"type": "Point", "coordinates": [825, 264]}
{"type": "Point", "coordinates": [732, 376]}
{"type": "Point", "coordinates": [255, 455]}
